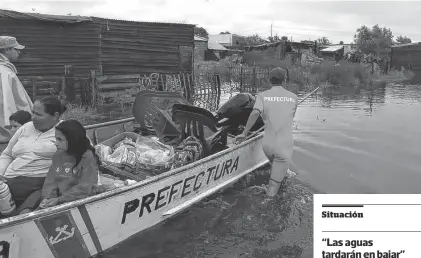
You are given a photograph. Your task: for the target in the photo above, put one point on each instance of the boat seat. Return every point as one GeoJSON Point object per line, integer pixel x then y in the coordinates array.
{"type": "Point", "coordinates": [152, 110]}
{"type": "Point", "coordinates": [91, 135]}
{"type": "Point", "coordinates": [202, 124]}
{"type": "Point", "coordinates": [104, 133]}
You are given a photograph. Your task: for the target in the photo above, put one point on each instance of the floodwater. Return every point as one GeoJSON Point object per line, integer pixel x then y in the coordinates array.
{"type": "Point", "coordinates": [347, 141]}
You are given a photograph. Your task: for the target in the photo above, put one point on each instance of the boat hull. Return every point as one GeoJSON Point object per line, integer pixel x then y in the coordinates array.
{"type": "Point", "coordinates": [90, 226]}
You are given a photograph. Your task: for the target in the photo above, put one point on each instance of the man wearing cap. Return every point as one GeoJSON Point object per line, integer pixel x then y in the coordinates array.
{"type": "Point", "coordinates": [277, 107]}
{"type": "Point", "coordinates": [13, 96]}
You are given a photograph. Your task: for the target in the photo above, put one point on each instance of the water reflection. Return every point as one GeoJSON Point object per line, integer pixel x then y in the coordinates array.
{"type": "Point", "coordinates": [368, 143]}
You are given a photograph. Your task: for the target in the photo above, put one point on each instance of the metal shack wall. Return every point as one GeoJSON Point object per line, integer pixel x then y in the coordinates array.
{"type": "Point", "coordinates": [407, 56]}
{"type": "Point", "coordinates": [143, 48]}
{"type": "Point", "coordinates": [200, 47]}
{"type": "Point", "coordinates": [264, 58]}
{"type": "Point", "coordinates": [52, 45]}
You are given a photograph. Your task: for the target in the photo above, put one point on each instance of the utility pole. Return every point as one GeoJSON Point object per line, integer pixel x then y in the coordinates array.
{"type": "Point", "coordinates": [271, 30]}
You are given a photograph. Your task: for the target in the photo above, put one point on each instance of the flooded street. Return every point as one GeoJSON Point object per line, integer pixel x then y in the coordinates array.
{"type": "Point", "coordinates": [347, 141]}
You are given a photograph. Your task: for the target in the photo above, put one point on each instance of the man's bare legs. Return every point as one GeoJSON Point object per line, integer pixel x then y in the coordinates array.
{"type": "Point", "coordinates": [277, 174]}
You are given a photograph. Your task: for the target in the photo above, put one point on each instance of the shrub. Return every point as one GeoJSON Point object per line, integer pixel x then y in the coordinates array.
{"type": "Point", "coordinates": [84, 114]}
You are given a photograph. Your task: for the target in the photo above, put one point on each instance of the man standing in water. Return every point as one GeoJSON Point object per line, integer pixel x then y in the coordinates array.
{"type": "Point", "coordinates": [13, 96]}
{"type": "Point", "coordinates": [277, 107]}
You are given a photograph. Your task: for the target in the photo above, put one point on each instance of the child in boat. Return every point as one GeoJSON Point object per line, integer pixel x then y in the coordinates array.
{"type": "Point", "coordinates": [17, 119]}
{"type": "Point", "coordinates": [73, 174]}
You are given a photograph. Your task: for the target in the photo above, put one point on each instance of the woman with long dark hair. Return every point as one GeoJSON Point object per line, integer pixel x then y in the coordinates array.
{"type": "Point", "coordinates": [74, 170]}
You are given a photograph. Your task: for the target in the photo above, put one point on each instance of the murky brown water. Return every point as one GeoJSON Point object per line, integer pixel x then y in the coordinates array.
{"type": "Point", "coordinates": [348, 141]}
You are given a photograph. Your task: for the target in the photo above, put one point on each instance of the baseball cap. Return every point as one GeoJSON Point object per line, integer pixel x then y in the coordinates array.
{"type": "Point", "coordinates": [9, 42]}
{"type": "Point", "coordinates": [277, 73]}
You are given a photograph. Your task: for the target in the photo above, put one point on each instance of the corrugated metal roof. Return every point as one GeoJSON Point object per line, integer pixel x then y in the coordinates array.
{"type": "Point", "coordinates": [71, 18]}
{"type": "Point", "coordinates": [221, 38]}
{"type": "Point", "coordinates": [406, 45]}
{"type": "Point", "coordinates": [137, 22]}
{"type": "Point", "coordinates": [197, 38]}
{"type": "Point", "coordinates": [213, 45]}
{"type": "Point", "coordinates": [332, 49]}
{"type": "Point", "coordinates": [43, 17]}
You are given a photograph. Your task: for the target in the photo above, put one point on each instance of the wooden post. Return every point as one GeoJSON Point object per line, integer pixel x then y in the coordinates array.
{"type": "Point", "coordinates": [191, 89]}
{"type": "Point", "coordinates": [34, 88]}
{"type": "Point", "coordinates": [62, 89]}
{"type": "Point", "coordinates": [254, 78]}
{"type": "Point", "coordinates": [69, 90]}
{"type": "Point", "coordinates": [93, 87]}
{"type": "Point", "coordinates": [218, 90]}
{"type": "Point", "coordinates": [241, 77]}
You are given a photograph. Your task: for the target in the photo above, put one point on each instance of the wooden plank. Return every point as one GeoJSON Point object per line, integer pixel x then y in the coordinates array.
{"type": "Point", "coordinates": [119, 86]}
{"type": "Point", "coordinates": [110, 94]}
{"type": "Point", "coordinates": [102, 78]}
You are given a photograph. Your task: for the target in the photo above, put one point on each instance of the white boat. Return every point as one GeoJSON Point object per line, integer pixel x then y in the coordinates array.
{"type": "Point", "coordinates": [90, 226]}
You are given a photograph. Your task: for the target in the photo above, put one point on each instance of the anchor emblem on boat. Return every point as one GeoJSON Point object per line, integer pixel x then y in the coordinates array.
{"type": "Point", "coordinates": [62, 234]}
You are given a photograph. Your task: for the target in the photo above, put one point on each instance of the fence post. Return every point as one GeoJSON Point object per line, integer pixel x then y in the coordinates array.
{"type": "Point", "coordinates": [241, 77]}
{"type": "Point", "coordinates": [218, 88]}
{"type": "Point", "coordinates": [63, 88]}
{"type": "Point", "coordinates": [69, 84]}
{"type": "Point", "coordinates": [254, 89]}
{"type": "Point", "coordinates": [34, 88]}
{"type": "Point", "coordinates": [93, 87]}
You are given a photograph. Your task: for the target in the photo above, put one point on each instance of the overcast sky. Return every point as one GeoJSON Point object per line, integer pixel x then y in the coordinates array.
{"type": "Point", "coordinates": [337, 20]}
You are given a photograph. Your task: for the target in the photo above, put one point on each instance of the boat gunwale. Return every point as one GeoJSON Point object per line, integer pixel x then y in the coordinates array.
{"type": "Point", "coordinates": [8, 222]}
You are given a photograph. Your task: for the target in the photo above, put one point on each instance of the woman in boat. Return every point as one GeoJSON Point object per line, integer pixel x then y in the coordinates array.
{"type": "Point", "coordinates": [26, 160]}
{"type": "Point", "coordinates": [74, 170]}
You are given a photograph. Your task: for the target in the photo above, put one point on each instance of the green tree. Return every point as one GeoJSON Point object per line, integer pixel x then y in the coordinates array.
{"type": "Point", "coordinates": [284, 38]}
{"type": "Point", "coordinates": [403, 40]}
{"type": "Point", "coordinates": [201, 32]}
{"type": "Point", "coordinates": [374, 40]}
{"type": "Point", "coordinates": [323, 41]}
{"type": "Point", "coordinates": [341, 42]}
{"type": "Point", "coordinates": [254, 40]}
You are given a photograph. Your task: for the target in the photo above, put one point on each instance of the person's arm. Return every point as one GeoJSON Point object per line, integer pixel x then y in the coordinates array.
{"type": "Point", "coordinates": [295, 108]}
{"type": "Point", "coordinates": [254, 115]}
{"type": "Point", "coordinates": [88, 178]}
{"type": "Point", "coordinates": [49, 189]}
{"type": "Point", "coordinates": [6, 156]}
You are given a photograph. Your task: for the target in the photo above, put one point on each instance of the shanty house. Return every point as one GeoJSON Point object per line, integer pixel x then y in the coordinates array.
{"type": "Point", "coordinates": [333, 52]}
{"type": "Point", "coordinates": [407, 56]}
{"type": "Point", "coordinates": [272, 53]}
{"type": "Point", "coordinates": [207, 49]}
{"type": "Point", "coordinates": [215, 51]}
{"type": "Point", "coordinates": [200, 48]}
{"type": "Point", "coordinates": [229, 40]}
{"type": "Point", "coordinates": [92, 43]}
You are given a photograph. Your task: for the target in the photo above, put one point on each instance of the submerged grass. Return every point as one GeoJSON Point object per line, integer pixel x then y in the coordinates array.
{"type": "Point", "coordinates": [326, 75]}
